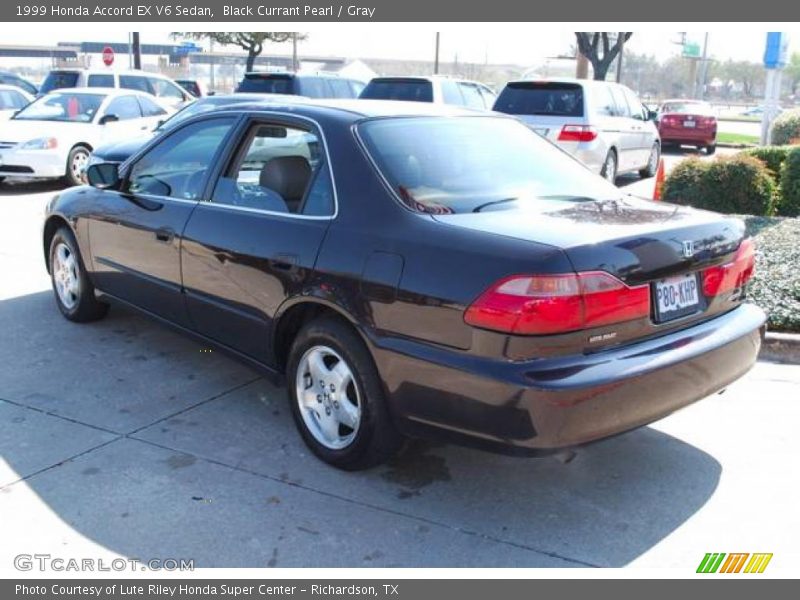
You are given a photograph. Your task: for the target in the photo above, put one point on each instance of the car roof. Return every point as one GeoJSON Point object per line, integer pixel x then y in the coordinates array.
{"type": "Point", "coordinates": [95, 71]}
{"type": "Point", "coordinates": [99, 90]}
{"type": "Point", "coordinates": [8, 86]}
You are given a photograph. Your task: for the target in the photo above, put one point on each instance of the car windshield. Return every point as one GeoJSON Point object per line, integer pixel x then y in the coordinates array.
{"type": "Point", "coordinates": [275, 84]}
{"type": "Point", "coordinates": [687, 108]}
{"type": "Point", "coordinates": [74, 108]}
{"type": "Point", "coordinates": [413, 90]}
{"type": "Point", "coordinates": [476, 164]}
{"type": "Point", "coordinates": [541, 98]}
{"type": "Point", "coordinates": [57, 80]}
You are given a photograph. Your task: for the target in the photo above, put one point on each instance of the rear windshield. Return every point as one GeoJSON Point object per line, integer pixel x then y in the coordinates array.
{"type": "Point", "coordinates": [414, 90]}
{"type": "Point", "coordinates": [688, 108]}
{"type": "Point", "coordinates": [476, 164]}
{"type": "Point", "coordinates": [260, 84]}
{"type": "Point", "coordinates": [541, 98]}
{"type": "Point", "coordinates": [56, 80]}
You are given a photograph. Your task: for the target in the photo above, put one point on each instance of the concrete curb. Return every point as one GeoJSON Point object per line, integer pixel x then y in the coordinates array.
{"type": "Point", "coordinates": [739, 146]}
{"type": "Point", "coordinates": [781, 347]}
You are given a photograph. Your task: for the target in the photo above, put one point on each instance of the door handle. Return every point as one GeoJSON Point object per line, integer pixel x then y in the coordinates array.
{"type": "Point", "coordinates": [165, 235]}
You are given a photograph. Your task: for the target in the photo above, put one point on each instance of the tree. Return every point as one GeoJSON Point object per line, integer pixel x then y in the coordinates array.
{"type": "Point", "coordinates": [598, 48]}
{"type": "Point", "coordinates": [749, 75]}
{"type": "Point", "coordinates": [252, 41]}
{"type": "Point", "coordinates": [792, 72]}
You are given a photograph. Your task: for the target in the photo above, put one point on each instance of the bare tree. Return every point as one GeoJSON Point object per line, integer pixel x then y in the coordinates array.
{"type": "Point", "coordinates": [251, 41]}
{"type": "Point", "coordinates": [598, 48]}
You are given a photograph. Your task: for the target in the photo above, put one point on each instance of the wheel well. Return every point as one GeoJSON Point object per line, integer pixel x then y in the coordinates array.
{"type": "Point", "coordinates": [82, 145]}
{"type": "Point", "coordinates": [52, 225]}
{"type": "Point", "coordinates": [292, 321]}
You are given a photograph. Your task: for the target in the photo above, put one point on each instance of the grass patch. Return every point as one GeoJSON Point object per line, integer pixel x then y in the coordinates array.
{"type": "Point", "coordinates": [776, 284]}
{"type": "Point", "coordinates": [736, 138]}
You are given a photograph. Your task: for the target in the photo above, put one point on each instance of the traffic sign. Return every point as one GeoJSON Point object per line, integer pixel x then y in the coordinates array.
{"type": "Point", "coordinates": [108, 56]}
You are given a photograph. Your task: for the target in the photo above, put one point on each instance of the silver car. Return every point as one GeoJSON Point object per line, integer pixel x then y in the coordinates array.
{"type": "Point", "coordinates": [602, 124]}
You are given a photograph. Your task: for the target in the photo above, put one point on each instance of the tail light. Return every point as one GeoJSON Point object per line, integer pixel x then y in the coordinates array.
{"type": "Point", "coordinates": [546, 304]}
{"type": "Point", "coordinates": [577, 133]}
{"type": "Point", "coordinates": [735, 274]}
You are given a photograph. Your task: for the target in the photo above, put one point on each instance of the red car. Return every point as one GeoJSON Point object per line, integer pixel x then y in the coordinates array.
{"type": "Point", "coordinates": [688, 123]}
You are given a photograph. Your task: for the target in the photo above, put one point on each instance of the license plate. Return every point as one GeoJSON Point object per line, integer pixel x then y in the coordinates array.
{"type": "Point", "coordinates": [676, 297]}
{"type": "Point", "coordinates": [690, 124]}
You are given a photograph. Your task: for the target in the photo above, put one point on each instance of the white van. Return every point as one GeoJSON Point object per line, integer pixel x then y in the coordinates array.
{"type": "Point", "coordinates": [163, 88]}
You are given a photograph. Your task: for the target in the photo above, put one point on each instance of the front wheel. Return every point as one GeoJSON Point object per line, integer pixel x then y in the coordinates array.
{"type": "Point", "coordinates": [652, 162]}
{"type": "Point", "coordinates": [73, 290]}
{"type": "Point", "coordinates": [76, 165]}
{"type": "Point", "coordinates": [337, 398]}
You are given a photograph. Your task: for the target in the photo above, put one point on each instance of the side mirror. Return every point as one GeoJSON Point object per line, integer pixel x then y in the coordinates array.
{"type": "Point", "coordinates": [103, 175]}
{"type": "Point", "coordinates": [108, 119]}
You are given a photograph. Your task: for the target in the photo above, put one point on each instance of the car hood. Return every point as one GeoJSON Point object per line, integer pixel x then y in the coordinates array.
{"type": "Point", "coordinates": [633, 238]}
{"type": "Point", "coordinates": [15, 130]}
{"type": "Point", "coordinates": [121, 151]}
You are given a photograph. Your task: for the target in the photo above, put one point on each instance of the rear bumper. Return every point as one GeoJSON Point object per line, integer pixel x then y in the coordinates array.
{"type": "Point", "coordinates": [688, 136]}
{"type": "Point", "coordinates": [542, 405]}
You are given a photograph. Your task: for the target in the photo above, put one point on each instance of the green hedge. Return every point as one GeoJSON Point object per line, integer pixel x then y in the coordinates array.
{"type": "Point", "coordinates": [789, 203]}
{"type": "Point", "coordinates": [735, 184]}
{"type": "Point", "coordinates": [772, 157]}
{"type": "Point", "coordinates": [786, 128]}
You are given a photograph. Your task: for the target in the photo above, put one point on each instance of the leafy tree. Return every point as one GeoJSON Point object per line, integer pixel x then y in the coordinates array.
{"type": "Point", "coordinates": [792, 72]}
{"type": "Point", "coordinates": [252, 41]}
{"type": "Point", "coordinates": [598, 48]}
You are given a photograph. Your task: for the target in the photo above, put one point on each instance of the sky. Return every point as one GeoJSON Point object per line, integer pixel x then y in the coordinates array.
{"type": "Point", "coordinates": [515, 43]}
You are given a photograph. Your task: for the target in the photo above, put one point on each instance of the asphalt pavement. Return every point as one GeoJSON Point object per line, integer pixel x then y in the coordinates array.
{"type": "Point", "coordinates": [122, 438]}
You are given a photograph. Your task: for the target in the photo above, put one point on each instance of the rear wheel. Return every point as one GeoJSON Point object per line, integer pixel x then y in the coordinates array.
{"type": "Point", "coordinates": [652, 162]}
{"type": "Point", "coordinates": [337, 398]}
{"type": "Point", "coordinates": [711, 149]}
{"type": "Point", "coordinates": [76, 164]}
{"type": "Point", "coordinates": [73, 290]}
{"type": "Point", "coordinates": [610, 167]}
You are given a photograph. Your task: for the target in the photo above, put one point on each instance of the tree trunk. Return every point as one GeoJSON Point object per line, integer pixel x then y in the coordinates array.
{"type": "Point", "coordinates": [251, 60]}
{"type": "Point", "coordinates": [582, 67]}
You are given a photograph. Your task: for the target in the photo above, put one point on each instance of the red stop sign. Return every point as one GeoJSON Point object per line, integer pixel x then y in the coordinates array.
{"type": "Point", "coordinates": [108, 56]}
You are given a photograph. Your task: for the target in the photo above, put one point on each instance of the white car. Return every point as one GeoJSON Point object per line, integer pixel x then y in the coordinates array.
{"type": "Point", "coordinates": [53, 136]}
{"type": "Point", "coordinates": [11, 100]}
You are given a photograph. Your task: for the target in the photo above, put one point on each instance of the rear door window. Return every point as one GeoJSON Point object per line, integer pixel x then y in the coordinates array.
{"type": "Point", "coordinates": [150, 108]}
{"type": "Point", "coordinates": [105, 80]}
{"type": "Point", "coordinates": [623, 110]}
{"type": "Point", "coordinates": [135, 82]}
{"type": "Point", "coordinates": [603, 102]}
{"type": "Point", "coordinates": [541, 98]}
{"type": "Point", "coordinates": [163, 88]}
{"type": "Point", "coordinates": [414, 90]}
{"type": "Point", "coordinates": [124, 107]}
{"type": "Point", "coordinates": [57, 80]}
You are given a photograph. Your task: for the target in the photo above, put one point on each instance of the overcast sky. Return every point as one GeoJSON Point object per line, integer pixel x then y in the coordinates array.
{"type": "Point", "coordinates": [524, 44]}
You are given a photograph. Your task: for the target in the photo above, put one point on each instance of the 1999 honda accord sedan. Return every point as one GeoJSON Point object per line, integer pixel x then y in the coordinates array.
{"type": "Point", "coordinates": [413, 270]}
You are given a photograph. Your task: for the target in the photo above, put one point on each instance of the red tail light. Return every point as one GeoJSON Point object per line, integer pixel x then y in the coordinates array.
{"type": "Point", "coordinates": [735, 274]}
{"type": "Point", "coordinates": [577, 133]}
{"type": "Point", "coordinates": [546, 304]}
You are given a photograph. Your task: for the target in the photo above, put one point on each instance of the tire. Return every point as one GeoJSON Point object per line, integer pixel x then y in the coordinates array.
{"type": "Point", "coordinates": [76, 162]}
{"type": "Point", "coordinates": [2, 179]}
{"type": "Point", "coordinates": [71, 286]}
{"type": "Point", "coordinates": [347, 426]}
{"type": "Point", "coordinates": [610, 166]}
{"type": "Point", "coordinates": [711, 149]}
{"type": "Point", "coordinates": [652, 162]}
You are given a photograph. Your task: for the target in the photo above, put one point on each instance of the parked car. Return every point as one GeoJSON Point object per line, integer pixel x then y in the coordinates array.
{"type": "Point", "coordinates": [439, 90]}
{"type": "Point", "coordinates": [602, 124]}
{"type": "Point", "coordinates": [12, 99]}
{"type": "Point", "coordinates": [10, 78]}
{"type": "Point", "coordinates": [165, 89]}
{"type": "Point", "coordinates": [121, 150]}
{"type": "Point", "coordinates": [53, 136]}
{"type": "Point", "coordinates": [688, 122]}
{"type": "Point", "coordinates": [412, 269]}
{"type": "Point", "coordinates": [194, 86]}
{"type": "Point", "coordinates": [320, 85]}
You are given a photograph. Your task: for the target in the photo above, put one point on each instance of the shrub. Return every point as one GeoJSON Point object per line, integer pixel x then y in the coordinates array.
{"type": "Point", "coordinates": [772, 157]}
{"type": "Point", "coordinates": [789, 203]}
{"type": "Point", "coordinates": [737, 184]}
{"type": "Point", "coordinates": [786, 128]}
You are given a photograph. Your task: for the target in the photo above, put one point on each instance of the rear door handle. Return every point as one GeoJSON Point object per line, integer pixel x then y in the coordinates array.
{"type": "Point", "coordinates": [165, 235]}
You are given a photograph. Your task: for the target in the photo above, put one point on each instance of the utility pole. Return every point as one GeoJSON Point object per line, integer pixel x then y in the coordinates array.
{"type": "Point", "coordinates": [137, 51]}
{"type": "Point", "coordinates": [294, 52]}
{"type": "Point", "coordinates": [212, 82]}
{"type": "Point", "coordinates": [621, 38]}
{"type": "Point", "coordinates": [436, 56]}
{"type": "Point", "coordinates": [704, 67]}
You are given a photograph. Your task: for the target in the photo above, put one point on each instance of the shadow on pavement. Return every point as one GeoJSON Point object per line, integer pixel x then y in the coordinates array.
{"type": "Point", "coordinates": [18, 187]}
{"type": "Point", "coordinates": [140, 442]}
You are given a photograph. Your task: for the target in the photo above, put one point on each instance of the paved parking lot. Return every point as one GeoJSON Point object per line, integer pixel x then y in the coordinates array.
{"type": "Point", "coordinates": [122, 438]}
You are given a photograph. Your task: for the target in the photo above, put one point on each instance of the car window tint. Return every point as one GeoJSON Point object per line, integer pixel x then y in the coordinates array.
{"type": "Point", "coordinates": [176, 167]}
{"type": "Point", "coordinates": [190, 86]}
{"type": "Point", "coordinates": [623, 110]}
{"type": "Point", "coordinates": [451, 93]}
{"type": "Point", "coordinates": [489, 97]}
{"type": "Point", "coordinates": [472, 97]}
{"type": "Point", "coordinates": [135, 82]}
{"type": "Point", "coordinates": [11, 100]}
{"type": "Point", "coordinates": [603, 101]}
{"type": "Point", "coordinates": [320, 202]}
{"type": "Point", "coordinates": [101, 80]}
{"type": "Point", "coordinates": [313, 87]}
{"type": "Point", "coordinates": [165, 89]}
{"type": "Point", "coordinates": [270, 84]}
{"type": "Point", "coordinates": [273, 171]}
{"type": "Point", "coordinates": [636, 108]}
{"type": "Point", "coordinates": [18, 82]}
{"type": "Point", "coordinates": [356, 87]}
{"type": "Point", "coordinates": [413, 90]}
{"type": "Point", "coordinates": [150, 108]}
{"type": "Point", "coordinates": [57, 80]}
{"type": "Point", "coordinates": [541, 98]}
{"type": "Point", "coordinates": [340, 88]}
{"type": "Point", "coordinates": [125, 107]}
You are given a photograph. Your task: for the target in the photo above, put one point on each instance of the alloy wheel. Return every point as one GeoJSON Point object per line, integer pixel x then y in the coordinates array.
{"type": "Point", "coordinates": [66, 276]}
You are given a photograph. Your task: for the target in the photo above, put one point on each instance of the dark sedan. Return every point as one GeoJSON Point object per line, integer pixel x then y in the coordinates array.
{"type": "Point", "coordinates": [413, 270]}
